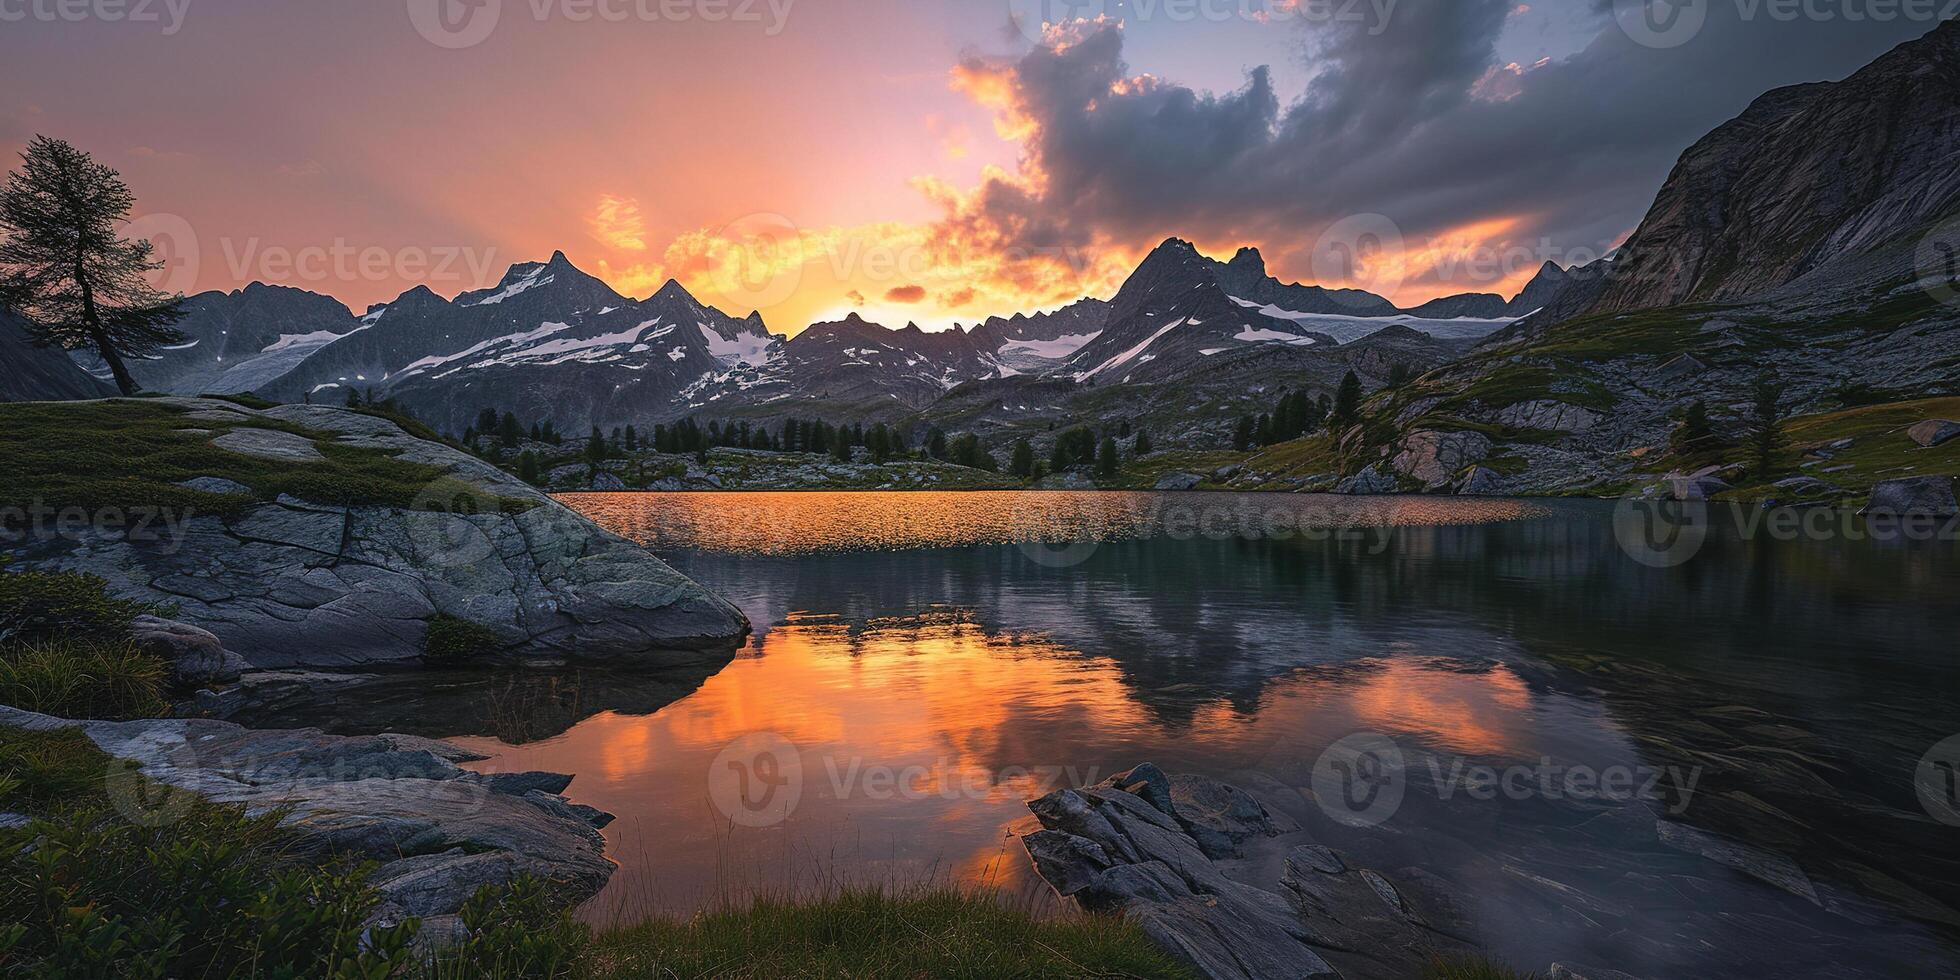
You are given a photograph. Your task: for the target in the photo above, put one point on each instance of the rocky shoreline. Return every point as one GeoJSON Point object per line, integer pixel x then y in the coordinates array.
{"type": "Point", "coordinates": [1192, 859]}
{"type": "Point", "coordinates": [307, 584]}
{"type": "Point", "coordinates": [437, 831]}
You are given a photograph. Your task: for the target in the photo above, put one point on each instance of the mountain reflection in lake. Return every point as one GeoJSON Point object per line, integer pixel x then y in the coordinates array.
{"type": "Point", "coordinates": [922, 674]}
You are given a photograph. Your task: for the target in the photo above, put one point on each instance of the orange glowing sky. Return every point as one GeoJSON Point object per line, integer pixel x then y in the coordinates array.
{"type": "Point", "coordinates": [802, 157]}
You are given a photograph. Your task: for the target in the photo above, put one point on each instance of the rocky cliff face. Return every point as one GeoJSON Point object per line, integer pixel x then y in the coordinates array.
{"type": "Point", "coordinates": [1806, 176]}
{"type": "Point", "coordinates": [305, 583]}
{"type": "Point", "coordinates": [34, 374]}
{"type": "Point", "coordinates": [245, 339]}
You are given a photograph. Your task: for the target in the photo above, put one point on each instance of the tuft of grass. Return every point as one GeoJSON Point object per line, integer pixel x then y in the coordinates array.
{"type": "Point", "coordinates": [1473, 968]}
{"type": "Point", "coordinates": [65, 649]}
{"type": "Point", "coordinates": [71, 678]}
{"type": "Point", "coordinates": [451, 640]}
{"type": "Point", "coordinates": [123, 453]}
{"type": "Point", "coordinates": [872, 933]}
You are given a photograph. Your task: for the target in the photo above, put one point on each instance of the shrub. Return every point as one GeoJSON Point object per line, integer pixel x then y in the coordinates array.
{"type": "Point", "coordinates": [212, 893]}
{"type": "Point", "coordinates": [521, 930]}
{"type": "Point", "coordinates": [36, 606]}
{"type": "Point", "coordinates": [451, 640]}
{"type": "Point", "coordinates": [65, 649]}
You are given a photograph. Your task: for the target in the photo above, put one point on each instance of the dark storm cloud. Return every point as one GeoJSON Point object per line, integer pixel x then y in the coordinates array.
{"type": "Point", "coordinates": [1399, 120]}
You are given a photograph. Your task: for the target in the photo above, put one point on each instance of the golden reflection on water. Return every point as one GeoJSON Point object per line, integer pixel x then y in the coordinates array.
{"type": "Point", "coordinates": [920, 740]}
{"type": "Point", "coordinates": [801, 523]}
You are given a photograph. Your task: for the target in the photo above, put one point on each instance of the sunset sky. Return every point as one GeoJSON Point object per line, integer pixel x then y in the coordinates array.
{"type": "Point", "coordinates": [928, 160]}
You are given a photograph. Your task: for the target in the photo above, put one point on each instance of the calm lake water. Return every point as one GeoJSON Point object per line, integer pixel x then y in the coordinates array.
{"type": "Point", "coordinates": [1565, 721]}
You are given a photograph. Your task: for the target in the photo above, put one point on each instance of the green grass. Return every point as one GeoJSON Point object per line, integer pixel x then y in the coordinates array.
{"type": "Point", "coordinates": [246, 399]}
{"type": "Point", "coordinates": [1306, 456]}
{"type": "Point", "coordinates": [83, 679]}
{"type": "Point", "coordinates": [127, 453]}
{"type": "Point", "coordinates": [65, 649]}
{"type": "Point", "coordinates": [1605, 337]}
{"type": "Point", "coordinates": [1880, 449]}
{"type": "Point", "coordinates": [1142, 473]}
{"type": "Point", "coordinates": [1473, 968]}
{"type": "Point", "coordinates": [42, 772]}
{"type": "Point", "coordinates": [874, 934]}
{"type": "Point", "coordinates": [1510, 384]}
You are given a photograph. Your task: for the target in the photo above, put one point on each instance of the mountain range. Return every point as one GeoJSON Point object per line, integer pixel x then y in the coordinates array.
{"type": "Point", "coordinates": [550, 341]}
{"type": "Point", "coordinates": [1788, 243]}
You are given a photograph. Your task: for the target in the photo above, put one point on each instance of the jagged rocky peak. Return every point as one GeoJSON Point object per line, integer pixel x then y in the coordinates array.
{"type": "Point", "coordinates": [1806, 176]}
{"type": "Point", "coordinates": [1248, 261]}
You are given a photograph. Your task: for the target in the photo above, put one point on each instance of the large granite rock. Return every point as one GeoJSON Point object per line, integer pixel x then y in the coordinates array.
{"type": "Point", "coordinates": [298, 583]}
{"type": "Point", "coordinates": [438, 831]}
{"type": "Point", "coordinates": [1179, 481]}
{"type": "Point", "coordinates": [196, 657]}
{"type": "Point", "coordinates": [1919, 496]}
{"type": "Point", "coordinates": [1435, 457]}
{"type": "Point", "coordinates": [1933, 432]}
{"type": "Point", "coordinates": [1164, 851]}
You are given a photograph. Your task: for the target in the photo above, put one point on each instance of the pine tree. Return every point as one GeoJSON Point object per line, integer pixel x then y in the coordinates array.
{"type": "Point", "coordinates": [65, 271]}
{"type": "Point", "coordinates": [527, 467]}
{"type": "Point", "coordinates": [1695, 431]}
{"type": "Point", "coordinates": [1143, 446]}
{"type": "Point", "coordinates": [632, 440]}
{"type": "Point", "coordinates": [1022, 463]}
{"type": "Point", "coordinates": [1106, 461]}
{"type": "Point", "coordinates": [1766, 427]}
{"type": "Point", "coordinates": [1242, 434]}
{"type": "Point", "coordinates": [595, 448]}
{"type": "Point", "coordinates": [508, 431]}
{"type": "Point", "coordinates": [1347, 402]}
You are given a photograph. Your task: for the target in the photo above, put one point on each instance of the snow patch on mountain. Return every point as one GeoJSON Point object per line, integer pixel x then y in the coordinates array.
{"type": "Point", "coordinates": [1056, 349]}
{"type": "Point", "coordinates": [1126, 356]}
{"type": "Point", "coordinates": [1349, 328]}
{"type": "Point", "coordinates": [532, 280]}
{"type": "Point", "coordinates": [746, 348]}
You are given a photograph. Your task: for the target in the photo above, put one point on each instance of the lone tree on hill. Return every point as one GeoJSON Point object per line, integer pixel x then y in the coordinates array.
{"type": "Point", "coordinates": [65, 271]}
